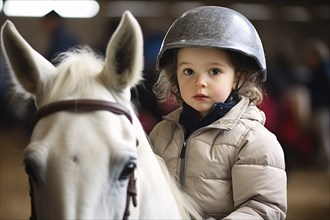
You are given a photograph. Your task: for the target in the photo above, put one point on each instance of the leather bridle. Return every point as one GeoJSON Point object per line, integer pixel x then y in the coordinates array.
{"type": "Point", "coordinates": [87, 105]}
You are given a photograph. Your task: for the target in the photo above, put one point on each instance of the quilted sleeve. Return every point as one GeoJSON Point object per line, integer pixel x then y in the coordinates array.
{"type": "Point", "coordinates": [259, 179]}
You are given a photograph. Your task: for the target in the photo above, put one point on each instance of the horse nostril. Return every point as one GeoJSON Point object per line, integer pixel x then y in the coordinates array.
{"type": "Point", "coordinates": [75, 159]}
{"type": "Point", "coordinates": [30, 172]}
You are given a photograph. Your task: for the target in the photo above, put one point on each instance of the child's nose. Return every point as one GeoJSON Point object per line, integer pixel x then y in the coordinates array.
{"type": "Point", "coordinates": [200, 81]}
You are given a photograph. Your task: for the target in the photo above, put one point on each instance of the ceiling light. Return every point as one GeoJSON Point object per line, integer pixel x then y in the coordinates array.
{"type": "Point", "coordinates": [296, 13]}
{"type": "Point", "coordinates": [65, 8]}
{"type": "Point", "coordinates": [77, 9]}
{"type": "Point", "coordinates": [253, 11]}
{"type": "Point", "coordinates": [22, 8]}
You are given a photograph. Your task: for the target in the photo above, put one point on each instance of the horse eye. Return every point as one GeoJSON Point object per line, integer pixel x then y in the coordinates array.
{"type": "Point", "coordinates": [128, 170]}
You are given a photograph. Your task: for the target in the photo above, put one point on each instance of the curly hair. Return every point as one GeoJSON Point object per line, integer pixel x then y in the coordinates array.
{"type": "Point", "coordinates": [246, 69]}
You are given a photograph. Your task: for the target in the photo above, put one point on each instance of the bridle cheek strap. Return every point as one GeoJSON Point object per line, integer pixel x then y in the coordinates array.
{"type": "Point", "coordinates": [88, 105]}
{"type": "Point", "coordinates": [131, 193]}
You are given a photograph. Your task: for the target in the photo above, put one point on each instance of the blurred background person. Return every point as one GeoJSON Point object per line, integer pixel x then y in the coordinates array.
{"type": "Point", "coordinates": [287, 107]}
{"type": "Point", "coordinates": [318, 64]}
{"type": "Point", "coordinates": [60, 37]}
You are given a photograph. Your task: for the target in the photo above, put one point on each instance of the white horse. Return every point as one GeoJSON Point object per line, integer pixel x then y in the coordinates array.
{"type": "Point", "coordinates": [88, 147]}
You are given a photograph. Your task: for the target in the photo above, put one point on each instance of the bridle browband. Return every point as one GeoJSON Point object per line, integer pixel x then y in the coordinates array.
{"type": "Point", "coordinates": [81, 104]}
{"type": "Point", "coordinates": [75, 105]}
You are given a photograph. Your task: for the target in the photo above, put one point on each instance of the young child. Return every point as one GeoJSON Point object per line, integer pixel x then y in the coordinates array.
{"type": "Point", "coordinates": [216, 146]}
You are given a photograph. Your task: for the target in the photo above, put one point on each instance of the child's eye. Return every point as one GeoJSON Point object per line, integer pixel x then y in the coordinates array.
{"type": "Point", "coordinates": [215, 71]}
{"type": "Point", "coordinates": [188, 71]}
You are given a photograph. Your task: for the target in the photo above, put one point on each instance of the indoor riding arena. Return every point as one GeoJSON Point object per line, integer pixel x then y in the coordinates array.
{"type": "Point", "coordinates": [286, 27]}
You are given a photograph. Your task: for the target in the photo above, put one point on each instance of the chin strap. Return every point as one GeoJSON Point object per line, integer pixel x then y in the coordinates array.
{"type": "Point", "coordinates": [233, 96]}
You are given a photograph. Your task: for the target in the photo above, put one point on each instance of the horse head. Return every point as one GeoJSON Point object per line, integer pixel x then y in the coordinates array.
{"type": "Point", "coordinates": [87, 142]}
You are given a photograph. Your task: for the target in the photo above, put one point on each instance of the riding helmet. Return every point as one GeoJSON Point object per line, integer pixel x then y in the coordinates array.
{"type": "Point", "coordinates": [214, 27]}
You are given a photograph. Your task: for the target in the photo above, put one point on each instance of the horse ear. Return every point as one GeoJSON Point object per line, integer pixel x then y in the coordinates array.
{"type": "Point", "coordinates": [124, 55]}
{"type": "Point", "coordinates": [26, 65]}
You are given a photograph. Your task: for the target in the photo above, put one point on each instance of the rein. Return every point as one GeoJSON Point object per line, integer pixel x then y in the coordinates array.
{"type": "Point", "coordinates": [87, 105]}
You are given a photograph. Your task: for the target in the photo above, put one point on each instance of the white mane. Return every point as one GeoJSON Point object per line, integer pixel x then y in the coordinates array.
{"type": "Point", "coordinates": [75, 73]}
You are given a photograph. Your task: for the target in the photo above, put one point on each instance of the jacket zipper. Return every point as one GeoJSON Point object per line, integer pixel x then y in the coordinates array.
{"type": "Point", "coordinates": [183, 154]}
{"type": "Point", "coordinates": [182, 163]}
{"type": "Point", "coordinates": [184, 150]}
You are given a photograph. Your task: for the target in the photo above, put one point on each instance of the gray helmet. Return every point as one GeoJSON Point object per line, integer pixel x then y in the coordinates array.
{"type": "Point", "coordinates": [217, 27]}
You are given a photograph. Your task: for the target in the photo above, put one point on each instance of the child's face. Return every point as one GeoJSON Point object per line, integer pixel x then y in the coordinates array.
{"type": "Point", "coordinates": [205, 77]}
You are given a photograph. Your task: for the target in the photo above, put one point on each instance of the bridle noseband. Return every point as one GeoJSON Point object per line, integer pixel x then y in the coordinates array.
{"type": "Point", "coordinates": [88, 105]}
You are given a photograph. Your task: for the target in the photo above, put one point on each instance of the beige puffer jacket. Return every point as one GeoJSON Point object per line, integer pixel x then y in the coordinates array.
{"type": "Point", "coordinates": [234, 168]}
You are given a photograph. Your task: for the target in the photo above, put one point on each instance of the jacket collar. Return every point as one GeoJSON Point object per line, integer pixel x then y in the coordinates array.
{"type": "Point", "coordinates": [191, 121]}
{"type": "Point", "coordinates": [243, 109]}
